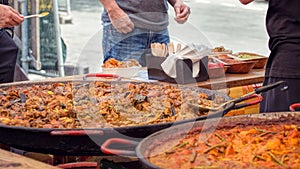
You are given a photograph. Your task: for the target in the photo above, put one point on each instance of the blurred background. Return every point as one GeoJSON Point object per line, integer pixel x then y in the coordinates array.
{"type": "Point", "coordinates": [68, 40]}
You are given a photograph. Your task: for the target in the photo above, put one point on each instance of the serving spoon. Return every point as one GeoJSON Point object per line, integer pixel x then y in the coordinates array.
{"type": "Point", "coordinates": [242, 98]}
{"type": "Point", "coordinates": [43, 14]}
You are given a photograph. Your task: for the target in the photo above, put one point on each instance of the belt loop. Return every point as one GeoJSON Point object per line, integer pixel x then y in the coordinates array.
{"type": "Point", "coordinates": [9, 31]}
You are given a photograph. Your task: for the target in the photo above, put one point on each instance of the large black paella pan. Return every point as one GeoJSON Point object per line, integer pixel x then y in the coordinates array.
{"type": "Point", "coordinates": [75, 117]}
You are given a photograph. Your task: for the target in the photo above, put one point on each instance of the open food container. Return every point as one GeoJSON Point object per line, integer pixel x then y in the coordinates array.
{"type": "Point", "coordinates": [127, 72]}
{"type": "Point", "coordinates": [238, 66]}
{"type": "Point", "coordinates": [221, 50]}
{"type": "Point", "coordinates": [249, 57]}
{"type": "Point", "coordinates": [216, 72]}
{"type": "Point", "coordinates": [128, 69]}
{"type": "Point", "coordinates": [216, 68]}
{"type": "Point", "coordinates": [246, 56]}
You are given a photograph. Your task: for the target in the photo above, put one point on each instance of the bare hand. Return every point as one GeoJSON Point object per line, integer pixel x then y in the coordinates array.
{"type": "Point", "coordinates": [182, 12]}
{"type": "Point", "coordinates": [121, 21]}
{"type": "Point", "coordinates": [245, 2]}
{"type": "Point", "coordinates": [9, 17]}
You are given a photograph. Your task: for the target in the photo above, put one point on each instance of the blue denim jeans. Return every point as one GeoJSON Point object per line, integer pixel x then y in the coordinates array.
{"type": "Point", "coordinates": [132, 45]}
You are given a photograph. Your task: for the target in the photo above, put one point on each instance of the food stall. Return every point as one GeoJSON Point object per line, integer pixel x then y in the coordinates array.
{"type": "Point", "coordinates": [49, 127]}
{"type": "Point", "coordinates": [56, 121]}
{"type": "Point", "coordinates": [60, 116]}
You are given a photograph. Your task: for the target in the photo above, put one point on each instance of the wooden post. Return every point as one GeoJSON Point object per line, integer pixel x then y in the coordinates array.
{"type": "Point", "coordinates": [17, 28]}
{"type": "Point", "coordinates": [35, 33]}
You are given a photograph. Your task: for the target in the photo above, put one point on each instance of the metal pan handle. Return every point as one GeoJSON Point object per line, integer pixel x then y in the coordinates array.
{"type": "Point", "coordinates": [254, 102]}
{"type": "Point", "coordinates": [245, 97]}
{"type": "Point", "coordinates": [76, 132]}
{"type": "Point", "coordinates": [105, 146]}
{"type": "Point", "coordinates": [268, 87]}
{"type": "Point", "coordinates": [294, 106]}
{"type": "Point", "coordinates": [102, 75]}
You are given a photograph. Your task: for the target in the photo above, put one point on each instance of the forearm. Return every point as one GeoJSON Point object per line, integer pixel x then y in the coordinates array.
{"type": "Point", "coordinates": [245, 2]}
{"type": "Point", "coordinates": [109, 4]}
{"type": "Point", "coordinates": [119, 19]}
{"type": "Point", "coordinates": [172, 2]}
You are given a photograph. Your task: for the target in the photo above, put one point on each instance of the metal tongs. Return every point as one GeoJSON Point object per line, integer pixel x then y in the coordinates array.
{"type": "Point", "coordinates": [242, 98]}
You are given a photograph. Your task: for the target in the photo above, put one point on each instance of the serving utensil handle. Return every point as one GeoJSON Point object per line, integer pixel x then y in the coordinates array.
{"type": "Point", "coordinates": [268, 87]}
{"type": "Point", "coordinates": [31, 16]}
{"type": "Point", "coordinates": [258, 91]}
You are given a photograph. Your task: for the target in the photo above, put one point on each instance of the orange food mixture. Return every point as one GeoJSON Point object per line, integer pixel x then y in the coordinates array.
{"type": "Point", "coordinates": [113, 63]}
{"type": "Point", "coordinates": [251, 147]}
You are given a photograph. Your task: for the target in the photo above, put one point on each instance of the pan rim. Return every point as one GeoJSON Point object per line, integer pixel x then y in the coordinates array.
{"type": "Point", "coordinates": [37, 82]}
{"type": "Point", "coordinates": [140, 153]}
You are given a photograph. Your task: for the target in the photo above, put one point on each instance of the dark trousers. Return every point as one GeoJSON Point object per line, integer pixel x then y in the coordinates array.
{"type": "Point", "coordinates": [276, 100]}
{"type": "Point", "coordinates": [5, 2]}
{"type": "Point", "coordinates": [8, 57]}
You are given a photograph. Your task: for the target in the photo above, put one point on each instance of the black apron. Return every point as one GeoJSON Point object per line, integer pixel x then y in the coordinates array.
{"type": "Point", "coordinates": [283, 25]}
{"type": "Point", "coordinates": [5, 2]}
{"type": "Point", "coordinates": [8, 57]}
{"type": "Point", "coordinates": [8, 54]}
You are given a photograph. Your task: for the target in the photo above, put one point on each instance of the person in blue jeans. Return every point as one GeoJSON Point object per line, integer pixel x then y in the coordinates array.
{"type": "Point", "coordinates": [130, 26]}
{"type": "Point", "coordinates": [8, 49]}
